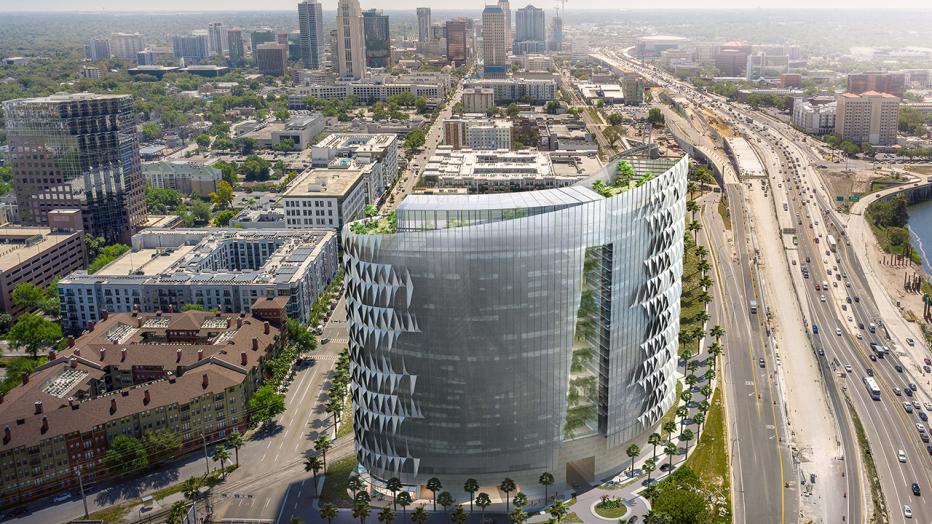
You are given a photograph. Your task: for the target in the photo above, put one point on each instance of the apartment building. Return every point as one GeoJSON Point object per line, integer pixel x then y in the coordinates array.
{"type": "Point", "coordinates": [184, 177]}
{"type": "Point", "coordinates": [867, 118]}
{"type": "Point", "coordinates": [378, 149]}
{"type": "Point", "coordinates": [333, 196]}
{"type": "Point", "coordinates": [477, 133]}
{"type": "Point", "coordinates": [36, 255]}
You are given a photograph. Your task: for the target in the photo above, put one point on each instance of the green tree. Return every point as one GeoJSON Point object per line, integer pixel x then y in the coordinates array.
{"type": "Point", "coordinates": [445, 499]}
{"type": "Point", "coordinates": [394, 485]}
{"type": "Point", "coordinates": [686, 436]}
{"type": "Point", "coordinates": [282, 114]}
{"type": "Point", "coordinates": [126, 454]}
{"type": "Point", "coordinates": [404, 500]}
{"type": "Point", "coordinates": [670, 450]}
{"type": "Point", "coordinates": [483, 501]}
{"type": "Point", "coordinates": [223, 196]}
{"type": "Point", "coordinates": [177, 512]}
{"type": "Point", "coordinates": [34, 332]}
{"type": "Point", "coordinates": [224, 217]}
{"type": "Point", "coordinates": [161, 201]}
{"type": "Point", "coordinates": [236, 441]}
{"type": "Point", "coordinates": [655, 440]}
{"type": "Point", "coordinates": [683, 498]}
{"type": "Point", "coordinates": [300, 336]}
{"type": "Point", "coordinates": [434, 485]}
{"type": "Point", "coordinates": [471, 486]}
{"type": "Point", "coordinates": [650, 465]}
{"type": "Point", "coordinates": [507, 486]}
{"type": "Point", "coordinates": [202, 140]}
{"type": "Point", "coordinates": [227, 171]}
{"type": "Point", "coordinates": [6, 321]}
{"type": "Point", "coordinates": [655, 116]}
{"type": "Point", "coordinates": [256, 168]}
{"type": "Point", "coordinates": [361, 510]}
{"type": "Point", "coordinates": [632, 452]}
{"type": "Point", "coordinates": [546, 480]}
{"type": "Point", "coordinates": [328, 512]}
{"type": "Point", "coordinates": [512, 110]}
{"type": "Point", "coordinates": [419, 515]}
{"type": "Point", "coordinates": [558, 510]}
{"type": "Point", "coordinates": [459, 515]}
{"type": "Point", "coordinates": [161, 443]}
{"type": "Point", "coordinates": [28, 295]}
{"type": "Point", "coordinates": [321, 445]}
{"type": "Point", "coordinates": [616, 119]}
{"type": "Point", "coordinates": [371, 211]}
{"type": "Point", "coordinates": [266, 404]}
{"type": "Point", "coordinates": [386, 515]}
{"type": "Point", "coordinates": [200, 211]}
{"type": "Point", "coordinates": [415, 139]}
{"type": "Point", "coordinates": [151, 131]}
{"type": "Point", "coordinates": [313, 463]}
{"type": "Point", "coordinates": [221, 455]}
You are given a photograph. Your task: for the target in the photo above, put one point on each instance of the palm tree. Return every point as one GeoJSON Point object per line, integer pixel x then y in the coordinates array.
{"type": "Point", "coordinates": [705, 297]}
{"type": "Point", "coordinates": [703, 406]}
{"type": "Point", "coordinates": [633, 451]}
{"type": "Point", "coordinates": [191, 488]}
{"type": "Point", "coordinates": [715, 350]}
{"type": "Point", "coordinates": [507, 486]}
{"type": "Point", "coordinates": [434, 485]}
{"type": "Point", "coordinates": [686, 396]}
{"type": "Point", "coordinates": [701, 252]}
{"type": "Point", "coordinates": [386, 515]}
{"type": "Point", "coordinates": [692, 206]}
{"type": "Point", "coordinates": [321, 445]}
{"type": "Point", "coordinates": [694, 228]}
{"type": "Point", "coordinates": [670, 450]}
{"type": "Point", "coordinates": [361, 511]}
{"type": "Point", "coordinates": [717, 331]}
{"type": "Point", "coordinates": [236, 441]}
{"type": "Point", "coordinates": [681, 412]}
{"type": "Point", "coordinates": [328, 512]}
{"type": "Point", "coordinates": [446, 500]}
{"type": "Point", "coordinates": [669, 427]}
{"type": "Point", "coordinates": [520, 500]}
{"type": "Point", "coordinates": [705, 281]}
{"type": "Point", "coordinates": [404, 500]}
{"type": "Point", "coordinates": [699, 420]}
{"type": "Point", "coordinates": [517, 516]}
{"type": "Point", "coordinates": [655, 440]}
{"type": "Point", "coordinates": [686, 354]}
{"type": "Point", "coordinates": [333, 408]}
{"type": "Point", "coordinates": [686, 436]}
{"type": "Point", "coordinates": [693, 366]}
{"type": "Point", "coordinates": [419, 515]}
{"type": "Point", "coordinates": [558, 510]}
{"type": "Point", "coordinates": [314, 464]}
{"type": "Point", "coordinates": [471, 486]}
{"type": "Point", "coordinates": [546, 480]}
{"type": "Point", "coordinates": [649, 466]}
{"type": "Point", "coordinates": [394, 485]}
{"type": "Point", "coordinates": [221, 455]}
{"type": "Point", "coordinates": [355, 484]}
{"type": "Point", "coordinates": [691, 188]}
{"type": "Point", "coordinates": [483, 501]}
{"type": "Point", "coordinates": [176, 513]}
{"type": "Point", "coordinates": [703, 266]}
{"type": "Point", "coordinates": [459, 515]}
{"type": "Point", "coordinates": [691, 380]}
{"type": "Point", "coordinates": [702, 316]}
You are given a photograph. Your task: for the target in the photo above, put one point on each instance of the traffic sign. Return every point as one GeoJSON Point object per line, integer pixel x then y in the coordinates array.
{"type": "Point", "coordinates": [854, 198]}
{"type": "Point", "coordinates": [839, 199]}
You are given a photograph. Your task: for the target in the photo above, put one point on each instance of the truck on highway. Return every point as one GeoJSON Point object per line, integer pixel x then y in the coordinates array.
{"type": "Point", "coordinates": [753, 307]}
{"type": "Point", "coordinates": [872, 388]}
{"type": "Point", "coordinates": [824, 285]}
{"type": "Point", "coordinates": [832, 245]}
{"type": "Point", "coordinates": [872, 327]}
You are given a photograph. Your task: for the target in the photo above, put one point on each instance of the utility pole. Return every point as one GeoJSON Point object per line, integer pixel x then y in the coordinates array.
{"type": "Point", "coordinates": [77, 471]}
{"type": "Point", "coordinates": [206, 458]}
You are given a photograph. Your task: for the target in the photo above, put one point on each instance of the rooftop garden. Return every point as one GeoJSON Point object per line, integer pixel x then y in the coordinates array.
{"type": "Point", "coordinates": [625, 178]}
{"type": "Point", "coordinates": [377, 225]}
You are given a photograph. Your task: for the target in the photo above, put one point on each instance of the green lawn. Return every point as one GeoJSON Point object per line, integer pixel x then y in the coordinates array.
{"type": "Point", "coordinates": [691, 306]}
{"type": "Point", "coordinates": [338, 473]}
{"type": "Point", "coordinates": [710, 456]}
{"type": "Point", "coordinates": [572, 518]}
{"type": "Point", "coordinates": [113, 514]}
{"type": "Point", "coordinates": [613, 513]}
{"type": "Point", "coordinates": [881, 235]}
{"type": "Point", "coordinates": [726, 215]}
{"type": "Point", "coordinates": [346, 419]}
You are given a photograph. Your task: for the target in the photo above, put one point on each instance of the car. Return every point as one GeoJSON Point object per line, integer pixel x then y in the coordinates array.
{"type": "Point", "coordinates": [928, 361]}
{"type": "Point", "coordinates": [907, 407]}
{"type": "Point", "coordinates": [760, 362]}
{"type": "Point", "coordinates": [901, 455]}
{"type": "Point", "coordinates": [907, 511]}
{"type": "Point", "coordinates": [859, 336]}
{"type": "Point", "coordinates": [848, 299]}
{"type": "Point", "coordinates": [916, 490]}
{"type": "Point", "coordinates": [821, 352]}
{"type": "Point", "coordinates": [873, 357]}
{"type": "Point", "coordinates": [920, 428]}
{"type": "Point", "coordinates": [870, 372]}
{"type": "Point", "coordinates": [61, 498]}
{"type": "Point", "coordinates": [927, 369]}
{"type": "Point", "coordinates": [909, 392]}
{"type": "Point", "coordinates": [821, 298]}
{"type": "Point", "coordinates": [927, 405]}
{"type": "Point", "coordinates": [848, 368]}
{"type": "Point", "coordinates": [912, 386]}
{"type": "Point", "coordinates": [929, 449]}
{"type": "Point", "coordinates": [860, 325]}
{"type": "Point", "coordinates": [857, 298]}
{"type": "Point", "coordinates": [922, 416]}
{"type": "Point", "coordinates": [898, 368]}
{"type": "Point", "coordinates": [838, 331]}
{"type": "Point", "coordinates": [897, 392]}
{"type": "Point", "coordinates": [910, 341]}
{"type": "Point", "coordinates": [916, 404]}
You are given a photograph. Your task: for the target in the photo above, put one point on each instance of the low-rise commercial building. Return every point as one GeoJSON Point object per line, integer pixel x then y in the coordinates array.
{"type": "Point", "coordinates": [185, 177]}
{"type": "Point", "coordinates": [191, 374]}
{"type": "Point", "coordinates": [272, 218]}
{"type": "Point", "coordinates": [369, 90]}
{"type": "Point", "coordinates": [37, 255]}
{"type": "Point", "coordinates": [332, 196]}
{"type": "Point", "coordinates": [507, 90]}
{"type": "Point", "coordinates": [493, 171]}
{"type": "Point", "coordinates": [378, 149]}
{"type": "Point", "coordinates": [227, 269]}
{"type": "Point", "coordinates": [477, 133]}
{"type": "Point", "coordinates": [300, 130]}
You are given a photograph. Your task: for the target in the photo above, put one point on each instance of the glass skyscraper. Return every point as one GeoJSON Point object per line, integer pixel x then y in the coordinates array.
{"type": "Point", "coordinates": [78, 151]}
{"type": "Point", "coordinates": [504, 335]}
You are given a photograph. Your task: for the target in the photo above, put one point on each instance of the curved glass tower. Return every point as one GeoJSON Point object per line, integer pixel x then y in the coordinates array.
{"type": "Point", "coordinates": [504, 335]}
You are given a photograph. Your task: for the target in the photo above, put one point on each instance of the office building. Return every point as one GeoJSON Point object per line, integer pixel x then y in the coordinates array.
{"type": "Point", "coordinates": [867, 118]}
{"type": "Point", "coordinates": [217, 39]}
{"type": "Point", "coordinates": [190, 373]}
{"type": "Point", "coordinates": [191, 48]}
{"type": "Point", "coordinates": [530, 31]}
{"type": "Point", "coordinates": [37, 255]}
{"type": "Point", "coordinates": [262, 36]}
{"type": "Point", "coordinates": [814, 118]}
{"type": "Point", "coordinates": [492, 171]}
{"type": "Point", "coordinates": [632, 88]}
{"type": "Point", "coordinates": [185, 177]}
{"type": "Point", "coordinates": [332, 196]}
{"type": "Point", "coordinates": [77, 151]}
{"type": "Point", "coordinates": [236, 47]}
{"type": "Point", "coordinates": [298, 131]}
{"type": "Point", "coordinates": [97, 49]}
{"type": "Point", "coordinates": [311, 23]}
{"type": "Point", "coordinates": [732, 59]}
{"type": "Point", "coordinates": [494, 42]}
{"type": "Point", "coordinates": [351, 43]}
{"type": "Point", "coordinates": [423, 24]}
{"type": "Point", "coordinates": [560, 304]}
{"type": "Point", "coordinates": [507, 90]}
{"type": "Point", "coordinates": [126, 45]}
{"type": "Point", "coordinates": [368, 90]}
{"type": "Point", "coordinates": [556, 34]}
{"type": "Point", "coordinates": [478, 99]}
{"type": "Point", "coordinates": [505, 6]}
{"type": "Point", "coordinates": [379, 149]}
{"type": "Point", "coordinates": [272, 58]}
{"type": "Point", "coordinates": [763, 65]}
{"type": "Point", "coordinates": [378, 40]}
{"type": "Point", "coordinates": [477, 133]}
{"type": "Point", "coordinates": [892, 83]}
{"type": "Point", "coordinates": [460, 37]}
{"type": "Point", "coordinates": [228, 269]}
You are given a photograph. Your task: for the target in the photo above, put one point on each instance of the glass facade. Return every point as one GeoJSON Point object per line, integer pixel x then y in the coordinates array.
{"type": "Point", "coordinates": [491, 334]}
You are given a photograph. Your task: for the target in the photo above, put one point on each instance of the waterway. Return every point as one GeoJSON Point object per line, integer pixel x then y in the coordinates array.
{"type": "Point", "coordinates": [920, 231]}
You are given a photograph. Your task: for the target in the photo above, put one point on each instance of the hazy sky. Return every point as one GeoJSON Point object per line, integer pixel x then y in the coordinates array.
{"type": "Point", "coordinates": [232, 5]}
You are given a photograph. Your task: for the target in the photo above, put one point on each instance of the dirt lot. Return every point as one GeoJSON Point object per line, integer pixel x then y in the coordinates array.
{"type": "Point", "coordinates": [857, 181]}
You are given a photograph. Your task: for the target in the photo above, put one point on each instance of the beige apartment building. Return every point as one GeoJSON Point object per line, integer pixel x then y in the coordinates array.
{"type": "Point", "coordinates": [867, 118]}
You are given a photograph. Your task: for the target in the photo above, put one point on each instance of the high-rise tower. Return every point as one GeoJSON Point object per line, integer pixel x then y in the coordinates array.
{"type": "Point", "coordinates": [378, 39]}
{"type": "Point", "coordinates": [423, 24]}
{"type": "Point", "coordinates": [311, 22]}
{"type": "Point", "coordinates": [494, 42]}
{"type": "Point", "coordinates": [351, 43]}
{"type": "Point", "coordinates": [506, 9]}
